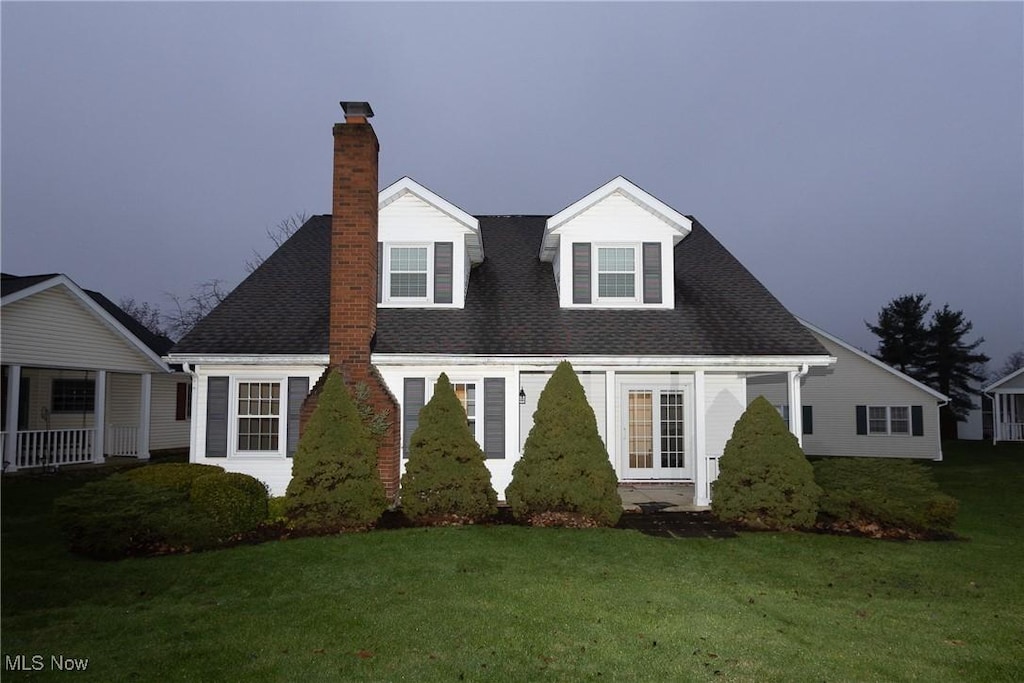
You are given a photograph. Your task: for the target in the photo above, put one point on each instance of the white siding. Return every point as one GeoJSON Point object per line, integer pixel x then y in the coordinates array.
{"type": "Point", "coordinates": [164, 430]}
{"type": "Point", "coordinates": [615, 219]}
{"type": "Point", "coordinates": [533, 384]}
{"type": "Point", "coordinates": [40, 382]}
{"type": "Point", "coordinates": [724, 402]}
{"type": "Point", "coordinates": [1015, 383]}
{"type": "Point", "coordinates": [834, 393]}
{"type": "Point", "coordinates": [55, 329]}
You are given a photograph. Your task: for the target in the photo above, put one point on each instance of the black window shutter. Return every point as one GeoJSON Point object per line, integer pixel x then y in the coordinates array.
{"type": "Point", "coordinates": [443, 257]}
{"type": "Point", "coordinates": [298, 389]}
{"type": "Point", "coordinates": [181, 402]}
{"type": "Point", "coordinates": [413, 397]}
{"type": "Point", "coordinates": [917, 420]}
{"type": "Point", "coordinates": [494, 417]}
{"type": "Point", "coordinates": [862, 420]}
{"type": "Point", "coordinates": [380, 272]}
{"type": "Point", "coordinates": [217, 417]}
{"type": "Point", "coordinates": [808, 420]}
{"type": "Point", "coordinates": [652, 272]}
{"type": "Point", "coordinates": [581, 272]}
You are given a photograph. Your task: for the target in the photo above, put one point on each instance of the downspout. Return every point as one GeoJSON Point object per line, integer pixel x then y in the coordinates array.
{"type": "Point", "coordinates": [938, 414]}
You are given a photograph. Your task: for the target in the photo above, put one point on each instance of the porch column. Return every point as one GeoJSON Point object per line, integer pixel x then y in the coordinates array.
{"type": "Point", "coordinates": [997, 404]}
{"type": "Point", "coordinates": [145, 403]}
{"type": "Point", "coordinates": [701, 464]}
{"type": "Point", "coordinates": [611, 423]}
{"type": "Point", "coordinates": [795, 408]}
{"type": "Point", "coordinates": [10, 463]}
{"type": "Point", "coordinates": [99, 416]}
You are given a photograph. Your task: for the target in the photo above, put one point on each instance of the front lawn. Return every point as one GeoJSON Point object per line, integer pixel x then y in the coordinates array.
{"type": "Point", "coordinates": [513, 603]}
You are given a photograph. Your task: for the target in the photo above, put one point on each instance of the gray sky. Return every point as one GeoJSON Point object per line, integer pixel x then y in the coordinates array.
{"type": "Point", "coordinates": [847, 153]}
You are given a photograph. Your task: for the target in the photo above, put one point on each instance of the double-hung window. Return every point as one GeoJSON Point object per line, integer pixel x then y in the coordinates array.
{"type": "Point", "coordinates": [259, 416]}
{"type": "Point", "coordinates": [466, 392]}
{"type": "Point", "coordinates": [73, 396]}
{"type": "Point", "coordinates": [616, 273]}
{"type": "Point", "coordinates": [407, 272]}
{"type": "Point", "coordinates": [889, 420]}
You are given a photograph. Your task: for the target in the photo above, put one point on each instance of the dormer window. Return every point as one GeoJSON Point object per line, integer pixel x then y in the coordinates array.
{"type": "Point", "coordinates": [616, 273]}
{"type": "Point", "coordinates": [407, 272]}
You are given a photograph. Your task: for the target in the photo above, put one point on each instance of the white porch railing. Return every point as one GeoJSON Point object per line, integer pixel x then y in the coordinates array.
{"type": "Point", "coordinates": [122, 440]}
{"type": "Point", "coordinates": [1011, 431]}
{"type": "Point", "coordinates": [53, 447]}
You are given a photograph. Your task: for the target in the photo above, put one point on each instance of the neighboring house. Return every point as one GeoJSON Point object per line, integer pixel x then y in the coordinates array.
{"type": "Point", "coordinates": [82, 379]}
{"type": "Point", "coordinates": [860, 406]}
{"type": "Point", "coordinates": [663, 325]}
{"type": "Point", "coordinates": [1007, 407]}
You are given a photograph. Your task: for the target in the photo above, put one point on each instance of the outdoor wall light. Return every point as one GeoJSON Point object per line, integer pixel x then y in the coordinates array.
{"type": "Point", "coordinates": [522, 397]}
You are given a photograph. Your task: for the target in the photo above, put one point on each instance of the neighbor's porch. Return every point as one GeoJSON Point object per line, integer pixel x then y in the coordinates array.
{"type": "Point", "coordinates": [1008, 415]}
{"type": "Point", "coordinates": [52, 417]}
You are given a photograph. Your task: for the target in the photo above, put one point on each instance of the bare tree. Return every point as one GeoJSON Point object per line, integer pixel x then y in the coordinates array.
{"type": "Point", "coordinates": [277, 234]}
{"type": "Point", "coordinates": [1014, 362]}
{"type": "Point", "coordinates": [148, 315]}
{"type": "Point", "coordinates": [188, 311]}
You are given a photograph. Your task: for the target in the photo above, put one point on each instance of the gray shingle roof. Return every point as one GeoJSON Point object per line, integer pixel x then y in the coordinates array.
{"type": "Point", "coordinates": [511, 307]}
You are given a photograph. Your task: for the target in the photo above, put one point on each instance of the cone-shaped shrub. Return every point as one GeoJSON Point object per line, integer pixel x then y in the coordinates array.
{"type": "Point", "coordinates": [764, 479]}
{"type": "Point", "coordinates": [565, 474]}
{"type": "Point", "coordinates": [335, 484]}
{"type": "Point", "coordinates": [446, 479]}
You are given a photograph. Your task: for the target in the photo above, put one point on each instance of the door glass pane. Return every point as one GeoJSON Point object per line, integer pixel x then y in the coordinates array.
{"type": "Point", "coordinates": [641, 429]}
{"type": "Point", "coordinates": [673, 451]}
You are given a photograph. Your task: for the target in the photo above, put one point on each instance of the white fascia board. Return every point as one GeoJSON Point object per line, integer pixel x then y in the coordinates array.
{"type": "Point", "coordinates": [1000, 382]}
{"type": "Point", "coordinates": [100, 312]}
{"type": "Point", "coordinates": [677, 221]}
{"type": "Point", "coordinates": [265, 359]}
{"type": "Point", "coordinates": [469, 222]}
{"type": "Point", "coordinates": [744, 363]}
{"type": "Point", "coordinates": [871, 359]}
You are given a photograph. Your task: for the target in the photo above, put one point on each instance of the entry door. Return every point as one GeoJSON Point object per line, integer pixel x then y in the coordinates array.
{"type": "Point", "coordinates": [656, 442]}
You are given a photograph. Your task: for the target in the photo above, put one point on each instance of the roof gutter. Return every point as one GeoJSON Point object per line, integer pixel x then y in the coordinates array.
{"type": "Point", "coordinates": [767, 363]}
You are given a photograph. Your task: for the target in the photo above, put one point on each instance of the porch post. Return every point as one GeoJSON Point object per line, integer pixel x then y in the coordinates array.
{"type": "Point", "coordinates": [99, 416]}
{"type": "Point", "coordinates": [795, 409]}
{"type": "Point", "coordinates": [701, 464]}
{"type": "Point", "coordinates": [145, 407]}
{"type": "Point", "coordinates": [611, 422]}
{"type": "Point", "coordinates": [10, 463]}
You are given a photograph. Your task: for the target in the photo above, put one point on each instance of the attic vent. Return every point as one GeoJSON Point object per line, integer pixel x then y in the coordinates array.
{"type": "Point", "coordinates": [357, 112]}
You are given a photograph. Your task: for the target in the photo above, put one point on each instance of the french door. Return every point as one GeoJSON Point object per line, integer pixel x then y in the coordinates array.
{"type": "Point", "coordinates": [656, 440]}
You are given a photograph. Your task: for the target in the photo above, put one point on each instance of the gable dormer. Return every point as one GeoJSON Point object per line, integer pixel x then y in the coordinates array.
{"type": "Point", "coordinates": [426, 248]}
{"type": "Point", "coordinates": [614, 249]}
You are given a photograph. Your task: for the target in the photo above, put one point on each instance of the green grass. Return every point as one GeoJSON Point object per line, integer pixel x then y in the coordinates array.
{"type": "Point", "coordinates": [511, 603]}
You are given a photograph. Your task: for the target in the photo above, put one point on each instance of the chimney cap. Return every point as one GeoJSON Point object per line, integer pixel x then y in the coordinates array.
{"type": "Point", "coordinates": [357, 110]}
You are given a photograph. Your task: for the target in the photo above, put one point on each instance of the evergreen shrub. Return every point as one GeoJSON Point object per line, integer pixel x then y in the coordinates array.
{"type": "Point", "coordinates": [881, 496]}
{"type": "Point", "coordinates": [230, 503]}
{"type": "Point", "coordinates": [764, 479]}
{"type": "Point", "coordinates": [173, 475]}
{"type": "Point", "coordinates": [335, 485]}
{"type": "Point", "coordinates": [565, 476]}
{"type": "Point", "coordinates": [446, 478]}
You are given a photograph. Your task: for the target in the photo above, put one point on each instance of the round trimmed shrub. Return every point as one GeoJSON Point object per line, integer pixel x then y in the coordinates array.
{"type": "Point", "coordinates": [446, 478]}
{"type": "Point", "coordinates": [230, 502]}
{"type": "Point", "coordinates": [172, 475]}
{"type": "Point", "coordinates": [764, 479]}
{"type": "Point", "coordinates": [565, 476]}
{"type": "Point", "coordinates": [335, 484]}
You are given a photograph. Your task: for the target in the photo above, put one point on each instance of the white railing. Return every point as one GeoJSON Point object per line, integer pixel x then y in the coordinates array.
{"type": "Point", "coordinates": [54, 447]}
{"type": "Point", "coordinates": [1012, 431]}
{"type": "Point", "coordinates": [122, 440]}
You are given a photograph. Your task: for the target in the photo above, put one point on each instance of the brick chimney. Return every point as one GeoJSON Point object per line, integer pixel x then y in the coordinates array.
{"type": "Point", "coordinates": [353, 296]}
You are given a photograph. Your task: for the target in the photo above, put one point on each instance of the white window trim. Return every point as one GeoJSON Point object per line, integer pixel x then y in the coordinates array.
{"type": "Point", "coordinates": [386, 277]}
{"type": "Point", "coordinates": [596, 275]}
{"type": "Point", "coordinates": [478, 384]}
{"type": "Point", "coordinates": [282, 440]}
{"type": "Point", "coordinates": [888, 421]}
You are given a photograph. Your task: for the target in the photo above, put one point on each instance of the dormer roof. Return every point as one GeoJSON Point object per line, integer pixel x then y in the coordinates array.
{"type": "Point", "coordinates": [408, 186]}
{"type": "Point", "coordinates": [675, 221]}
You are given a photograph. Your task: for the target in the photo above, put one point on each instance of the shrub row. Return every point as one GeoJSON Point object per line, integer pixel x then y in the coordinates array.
{"type": "Point", "coordinates": [160, 508]}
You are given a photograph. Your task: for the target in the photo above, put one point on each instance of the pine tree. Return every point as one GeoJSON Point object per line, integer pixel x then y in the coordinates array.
{"type": "Point", "coordinates": [335, 484]}
{"type": "Point", "coordinates": [565, 474]}
{"type": "Point", "coordinates": [950, 363]}
{"type": "Point", "coordinates": [446, 478]}
{"type": "Point", "coordinates": [902, 334]}
{"type": "Point", "coordinates": [764, 479]}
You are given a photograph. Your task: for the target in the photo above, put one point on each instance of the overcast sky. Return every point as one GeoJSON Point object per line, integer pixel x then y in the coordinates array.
{"type": "Point", "coordinates": [845, 153]}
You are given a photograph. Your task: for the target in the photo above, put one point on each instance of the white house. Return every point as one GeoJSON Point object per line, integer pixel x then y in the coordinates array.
{"type": "Point", "coordinates": [82, 379]}
{"type": "Point", "coordinates": [860, 406]}
{"type": "Point", "coordinates": [664, 326]}
{"type": "Point", "coordinates": [1007, 407]}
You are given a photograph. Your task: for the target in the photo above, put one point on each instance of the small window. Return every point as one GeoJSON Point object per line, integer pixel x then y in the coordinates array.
{"type": "Point", "coordinates": [889, 420]}
{"type": "Point", "coordinates": [466, 391]}
{"type": "Point", "coordinates": [878, 422]}
{"type": "Point", "coordinates": [259, 416]}
{"type": "Point", "coordinates": [616, 273]}
{"type": "Point", "coordinates": [899, 420]}
{"type": "Point", "coordinates": [408, 272]}
{"type": "Point", "coordinates": [73, 396]}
